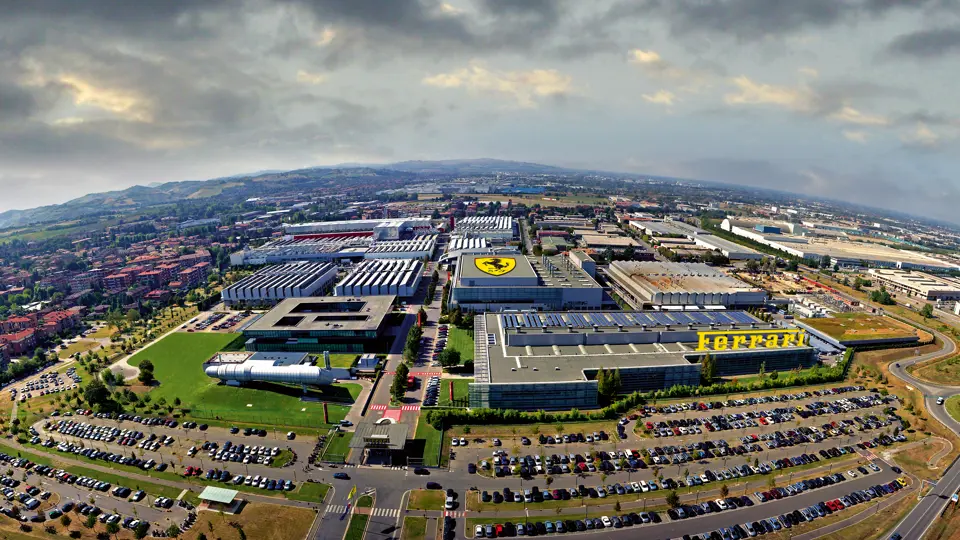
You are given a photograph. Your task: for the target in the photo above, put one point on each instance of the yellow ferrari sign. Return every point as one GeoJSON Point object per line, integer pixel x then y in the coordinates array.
{"type": "Point", "coordinates": [723, 340]}
{"type": "Point", "coordinates": [495, 266]}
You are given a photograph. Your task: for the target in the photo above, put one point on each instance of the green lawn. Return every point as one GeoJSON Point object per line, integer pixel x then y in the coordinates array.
{"type": "Point", "coordinates": [953, 407]}
{"type": "Point", "coordinates": [338, 446]}
{"type": "Point", "coordinates": [177, 361]}
{"type": "Point", "coordinates": [461, 340]}
{"type": "Point", "coordinates": [414, 528]}
{"type": "Point", "coordinates": [426, 499]}
{"type": "Point", "coordinates": [81, 346]}
{"type": "Point", "coordinates": [460, 392]}
{"type": "Point", "coordinates": [357, 527]}
{"type": "Point", "coordinates": [432, 440]}
{"type": "Point", "coordinates": [365, 502]}
{"type": "Point", "coordinates": [282, 459]}
{"type": "Point", "coordinates": [310, 492]}
{"type": "Point", "coordinates": [340, 360]}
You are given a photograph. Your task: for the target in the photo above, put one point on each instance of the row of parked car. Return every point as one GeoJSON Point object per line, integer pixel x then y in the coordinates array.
{"type": "Point", "coordinates": [539, 528]}
{"type": "Point", "coordinates": [730, 421]}
{"type": "Point", "coordinates": [432, 392]}
{"type": "Point", "coordinates": [747, 402]}
{"type": "Point", "coordinates": [262, 482]}
{"type": "Point", "coordinates": [86, 509]}
{"type": "Point", "coordinates": [801, 515]}
{"type": "Point", "coordinates": [92, 453]}
{"type": "Point", "coordinates": [237, 453]}
{"type": "Point", "coordinates": [123, 437]}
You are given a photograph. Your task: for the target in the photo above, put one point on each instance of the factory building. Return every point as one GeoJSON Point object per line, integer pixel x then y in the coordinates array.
{"type": "Point", "coordinates": [275, 283]}
{"type": "Point", "coordinates": [332, 249]}
{"type": "Point", "coordinates": [795, 240]}
{"type": "Point", "coordinates": [378, 229]}
{"type": "Point", "coordinates": [730, 250]}
{"type": "Point", "coordinates": [323, 323]}
{"type": "Point", "coordinates": [499, 282]}
{"type": "Point", "coordinates": [680, 284]}
{"type": "Point", "coordinates": [382, 276]}
{"type": "Point", "coordinates": [917, 284]}
{"type": "Point", "coordinates": [499, 228]}
{"type": "Point", "coordinates": [239, 368]}
{"type": "Point", "coordinates": [550, 360]}
{"type": "Point", "coordinates": [416, 248]}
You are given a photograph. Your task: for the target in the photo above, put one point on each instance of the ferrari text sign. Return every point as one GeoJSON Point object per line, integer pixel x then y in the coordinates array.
{"type": "Point", "coordinates": [725, 340]}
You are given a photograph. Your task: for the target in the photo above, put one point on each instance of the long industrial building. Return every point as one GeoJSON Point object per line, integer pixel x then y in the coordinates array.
{"type": "Point", "coordinates": [497, 282]}
{"type": "Point", "coordinates": [382, 276]}
{"type": "Point", "coordinates": [680, 284]}
{"type": "Point", "coordinates": [501, 228]}
{"type": "Point", "coordinates": [416, 248]}
{"type": "Point", "coordinates": [275, 283]}
{"type": "Point", "coordinates": [550, 360]}
{"type": "Point", "coordinates": [795, 240]}
{"type": "Point", "coordinates": [341, 248]}
{"type": "Point", "coordinates": [378, 229]}
{"type": "Point", "coordinates": [917, 284]}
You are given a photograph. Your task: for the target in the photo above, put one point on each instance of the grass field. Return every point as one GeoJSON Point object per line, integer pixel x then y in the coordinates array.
{"type": "Point", "coordinates": [177, 363]}
{"type": "Point", "coordinates": [365, 502]}
{"type": "Point", "coordinates": [104, 332]}
{"type": "Point", "coordinates": [258, 520]}
{"type": "Point", "coordinates": [414, 528]}
{"type": "Point", "coordinates": [340, 360]}
{"type": "Point", "coordinates": [426, 499]}
{"type": "Point", "coordinates": [357, 527]}
{"type": "Point", "coordinates": [460, 392]}
{"type": "Point", "coordinates": [854, 327]}
{"type": "Point", "coordinates": [461, 340]}
{"type": "Point", "coordinates": [338, 445]}
{"type": "Point", "coordinates": [432, 438]}
{"type": "Point", "coordinates": [310, 492]}
{"type": "Point", "coordinates": [81, 346]}
{"type": "Point", "coordinates": [953, 407]}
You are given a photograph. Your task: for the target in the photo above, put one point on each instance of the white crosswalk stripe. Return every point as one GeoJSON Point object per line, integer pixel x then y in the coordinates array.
{"type": "Point", "coordinates": [386, 512]}
{"type": "Point", "coordinates": [335, 508]}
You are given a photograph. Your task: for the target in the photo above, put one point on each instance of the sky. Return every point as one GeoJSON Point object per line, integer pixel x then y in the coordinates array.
{"type": "Point", "coordinates": [848, 99]}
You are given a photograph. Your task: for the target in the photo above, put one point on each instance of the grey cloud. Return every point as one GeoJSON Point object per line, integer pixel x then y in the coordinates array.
{"type": "Point", "coordinates": [16, 103]}
{"type": "Point", "coordinates": [928, 43]}
{"type": "Point", "coordinates": [756, 19]}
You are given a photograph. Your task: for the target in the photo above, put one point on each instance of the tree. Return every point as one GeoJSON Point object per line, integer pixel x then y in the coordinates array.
{"type": "Point", "coordinates": [926, 311]}
{"type": "Point", "coordinates": [96, 393]}
{"type": "Point", "coordinates": [449, 358]}
{"type": "Point", "coordinates": [616, 507]}
{"type": "Point", "coordinates": [825, 261]}
{"type": "Point", "coordinates": [65, 520]}
{"type": "Point", "coordinates": [858, 283]}
{"type": "Point", "coordinates": [113, 528]}
{"type": "Point", "coordinates": [141, 531]}
{"type": "Point", "coordinates": [146, 376]}
{"type": "Point", "coordinates": [724, 491]}
{"type": "Point", "coordinates": [399, 386]}
{"type": "Point", "coordinates": [173, 531]}
{"type": "Point", "coordinates": [146, 364]}
{"type": "Point", "coordinates": [673, 499]}
{"type": "Point", "coordinates": [90, 522]}
{"type": "Point", "coordinates": [708, 368]}
{"type": "Point", "coordinates": [132, 316]}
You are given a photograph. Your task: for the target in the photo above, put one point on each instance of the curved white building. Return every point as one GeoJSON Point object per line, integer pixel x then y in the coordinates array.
{"type": "Point", "coordinates": [235, 369]}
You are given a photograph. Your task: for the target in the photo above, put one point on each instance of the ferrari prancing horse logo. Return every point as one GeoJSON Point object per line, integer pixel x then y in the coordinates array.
{"type": "Point", "coordinates": [495, 266]}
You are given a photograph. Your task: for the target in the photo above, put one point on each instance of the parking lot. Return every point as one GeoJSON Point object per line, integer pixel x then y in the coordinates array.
{"type": "Point", "coordinates": [46, 384]}
{"type": "Point", "coordinates": [218, 321]}
{"type": "Point", "coordinates": [40, 492]}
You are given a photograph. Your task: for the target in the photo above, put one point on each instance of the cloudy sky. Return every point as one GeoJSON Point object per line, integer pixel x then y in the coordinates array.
{"type": "Point", "coordinates": [852, 99]}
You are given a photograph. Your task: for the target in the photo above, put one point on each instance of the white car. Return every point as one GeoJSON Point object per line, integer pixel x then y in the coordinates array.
{"type": "Point", "coordinates": [449, 504]}
{"type": "Point", "coordinates": [463, 441]}
{"type": "Point", "coordinates": [478, 532]}
{"type": "Point", "coordinates": [606, 521]}
{"type": "Point", "coordinates": [455, 441]}
{"type": "Point", "coordinates": [852, 473]}
{"type": "Point", "coordinates": [722, 504]}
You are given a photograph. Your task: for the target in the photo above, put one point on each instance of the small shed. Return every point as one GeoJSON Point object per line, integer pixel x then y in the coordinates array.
{"type": "Point", "coordinates": [220, 499]}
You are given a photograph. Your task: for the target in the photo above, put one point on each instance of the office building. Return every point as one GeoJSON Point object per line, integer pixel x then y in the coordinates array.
{"type": "Point", "coordinates": [511, 281]}
{"type": "Point", "coordinates": [680, 284]}
{"type": "Point", "coordinates": [278, 282]}
{"type": "Point", "coordinates": [377, 229]}
{"type": "Point", "coordinates": [324, 323]}
{"type": "Point", "coordinates": [418, 247]}
{"type": "Point", "coordinates": [550, 360]}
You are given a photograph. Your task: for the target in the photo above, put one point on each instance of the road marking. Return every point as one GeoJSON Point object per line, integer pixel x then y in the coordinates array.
{"type": "Point", "coordinates": [385, 512]}
{"type": "Point", "coordinates": [335, 509]}
{"type": "Point", "coordinates": [379, 407]}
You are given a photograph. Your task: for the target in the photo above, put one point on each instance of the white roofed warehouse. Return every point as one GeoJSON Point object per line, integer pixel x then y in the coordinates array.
{"type": "Point", "coordinates": [277, 282]}
{"type": "Point", "coordinates": [399, 277]}
{"type": "Point", "coordinates": [680, 284]}
{"type": "Point", "coordinates": [503, 228]}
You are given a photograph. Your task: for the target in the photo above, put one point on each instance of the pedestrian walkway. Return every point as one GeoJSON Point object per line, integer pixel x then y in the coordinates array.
{"type": "Point", "coordinates": [455, 513]}
{"type": "Point", "coordinates": [335, 509]}
{"type": "Point", "coordinates": [410, 408]}
{"type": "Point", "coordinates": [379, 407]}
{"type": "Point", "coordinates": [385, 512]}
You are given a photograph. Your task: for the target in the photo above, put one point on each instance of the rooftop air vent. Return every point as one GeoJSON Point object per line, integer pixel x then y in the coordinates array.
{"type": "Point", "coordinates": [556, 368]}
